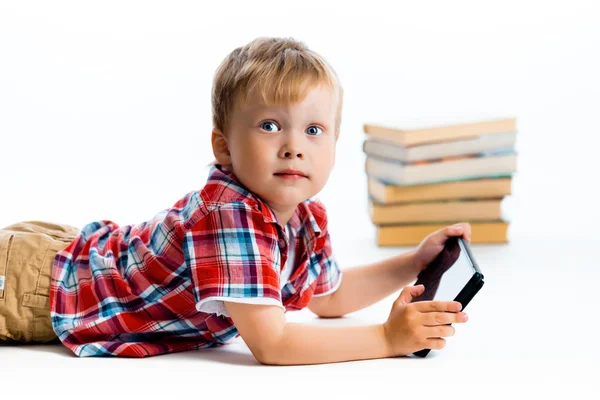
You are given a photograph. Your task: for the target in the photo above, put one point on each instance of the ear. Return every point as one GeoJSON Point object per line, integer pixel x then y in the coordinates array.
{"type": "Point", "coordinates": [220, 147]}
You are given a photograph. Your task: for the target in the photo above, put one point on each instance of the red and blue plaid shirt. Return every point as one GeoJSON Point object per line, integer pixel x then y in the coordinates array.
{"type": "Point", "coordinates": [136, 290]}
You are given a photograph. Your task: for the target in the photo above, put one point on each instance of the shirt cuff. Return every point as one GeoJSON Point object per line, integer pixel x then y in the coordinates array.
{"type": "Point", "coordinates": [215, 305]}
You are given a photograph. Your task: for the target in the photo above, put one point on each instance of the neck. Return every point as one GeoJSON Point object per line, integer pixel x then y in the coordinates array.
{"type": "Point", "coordinates": [283, 214]}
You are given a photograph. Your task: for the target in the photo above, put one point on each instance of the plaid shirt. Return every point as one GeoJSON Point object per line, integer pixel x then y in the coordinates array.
{"type": "Point", "coordinates": [136, 290]}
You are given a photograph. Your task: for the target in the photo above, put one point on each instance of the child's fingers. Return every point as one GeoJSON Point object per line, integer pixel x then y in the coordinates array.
{"type": "Point", "coordinates": [409, 293]}
{"type": "Point", "coordinates": [436, 343]}
{"type": "Point", "coordinates": [462, 229]}
{"type": "Point", "coordinates": [436, 305]}
{"type": "Point", "coordinates": [467, 232]}
{"type": "Point", "coordinates": [442, 318]}
{"type": "Point", "coordinates": [439, 331]}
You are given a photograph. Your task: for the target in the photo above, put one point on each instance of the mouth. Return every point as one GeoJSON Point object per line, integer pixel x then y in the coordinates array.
{"type": "Point", "coordinates": [291, 174]}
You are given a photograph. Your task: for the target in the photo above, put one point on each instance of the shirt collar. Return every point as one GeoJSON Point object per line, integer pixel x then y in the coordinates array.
{"type": "Point", "coordinates": [302, 217]}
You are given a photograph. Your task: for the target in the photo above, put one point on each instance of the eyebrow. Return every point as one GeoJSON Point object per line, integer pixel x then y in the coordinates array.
{"type": "Point", "coordinates": [252, 110]}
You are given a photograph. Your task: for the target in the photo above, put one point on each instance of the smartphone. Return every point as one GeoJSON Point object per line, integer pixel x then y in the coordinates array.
{"type": "Point", "coordinates": [452, 276]}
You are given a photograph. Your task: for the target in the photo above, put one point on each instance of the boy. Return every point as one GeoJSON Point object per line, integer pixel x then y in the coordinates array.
{"type": "Point", "coordinates": [231, 258]}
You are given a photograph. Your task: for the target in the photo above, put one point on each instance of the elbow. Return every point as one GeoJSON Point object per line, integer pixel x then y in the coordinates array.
{"type": "Point", "coordinates": [329, 310]}
{"type": "Point", "coordinates": [269, 351]}
{"type": "Point", "coordinates": [326, 307]}
{"type": "Point", "coordinates": [265, 360]}
{"type": "Point", "coordinates": [267, 356]}
{"type": "Point", "coordinates": [276, 350]}
{"type": "Point", "coordinates": [330, 314]}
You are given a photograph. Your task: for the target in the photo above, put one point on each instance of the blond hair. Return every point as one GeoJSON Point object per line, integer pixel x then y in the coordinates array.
{"type": "Point", "coordinates": [280, 69]}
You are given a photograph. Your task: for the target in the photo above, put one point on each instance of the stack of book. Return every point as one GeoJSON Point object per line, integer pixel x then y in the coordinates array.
{"type": "Point", "coordinates": [420, 180]}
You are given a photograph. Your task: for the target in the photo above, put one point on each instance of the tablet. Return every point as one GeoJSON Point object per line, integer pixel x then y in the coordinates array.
{"type": "Point", "coordinates": [452, 276]}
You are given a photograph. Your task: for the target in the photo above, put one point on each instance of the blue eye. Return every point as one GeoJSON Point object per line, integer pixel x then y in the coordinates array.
{"type": "Point", "coordinates": [314, 130]}
{"type": "Point", "coordinates": [269, 126]}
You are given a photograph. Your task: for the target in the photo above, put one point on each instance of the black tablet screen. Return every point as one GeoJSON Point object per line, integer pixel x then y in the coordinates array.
{"type": "Point", "coordinates": [447, 275]}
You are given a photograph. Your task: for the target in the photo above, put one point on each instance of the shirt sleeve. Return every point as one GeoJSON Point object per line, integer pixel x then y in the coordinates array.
{"type": "Point", "coordinates": [330, 277]}
{"type": "Point", "coordinates": [230, 253]}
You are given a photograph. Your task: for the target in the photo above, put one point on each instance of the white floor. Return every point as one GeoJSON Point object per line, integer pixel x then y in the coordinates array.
{"type": "Point", "coordinates": [532, 328]}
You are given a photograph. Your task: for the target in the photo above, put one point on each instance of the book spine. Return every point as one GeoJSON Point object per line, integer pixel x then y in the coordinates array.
{"type": "Point", "coordinates": [410, 235]}
{"type": "Point", "coordinates": [470, 168]}
{"type": "Point", "coordinates": [462, 131]}
{"type": "Point", "coordinates": [466, 189]}
{"type": "Point", "coordinates": [436, 211]}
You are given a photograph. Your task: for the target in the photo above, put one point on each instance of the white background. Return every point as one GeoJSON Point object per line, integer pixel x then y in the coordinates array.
{"type": "Point", "coordinates": [105, 114]}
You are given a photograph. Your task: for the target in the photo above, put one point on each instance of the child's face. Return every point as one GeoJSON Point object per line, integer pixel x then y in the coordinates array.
{"type": "Point", "coordinates": [264, 140]}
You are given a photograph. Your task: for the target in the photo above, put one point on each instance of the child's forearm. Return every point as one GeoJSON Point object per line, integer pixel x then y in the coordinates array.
{"type": "Point", "coordinates": [366, 285]}
{"type": "Point", "coordinates": [316, 344]}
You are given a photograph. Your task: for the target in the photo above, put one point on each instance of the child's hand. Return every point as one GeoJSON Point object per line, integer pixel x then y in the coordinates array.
{"type": "Point", "coordinates": [434, 243]}
{"type": "Point", "coordinates": [411, 327]}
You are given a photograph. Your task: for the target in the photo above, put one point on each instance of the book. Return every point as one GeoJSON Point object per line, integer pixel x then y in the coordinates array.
{"type": "Point", "coordinates": [467, 209]}
{"type": "Point", "coordinates": [411, 235]}
{"type": "Point", "coordinates": [442, 133]}
{"type": "Point", "coordinates": [473, 166]}
{"type": "Point", "coordinates": [384, 193]}
{"type": "Point", "coordinates": [479, 144]}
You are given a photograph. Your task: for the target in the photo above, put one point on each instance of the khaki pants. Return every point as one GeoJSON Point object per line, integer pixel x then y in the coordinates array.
{"type": "Point", "coordinates": [27, 251]}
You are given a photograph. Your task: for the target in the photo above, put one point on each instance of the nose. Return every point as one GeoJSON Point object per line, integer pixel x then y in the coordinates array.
{"type": "Point", "coordinates": [291, 148]}
{"type": "Point", "coordinates": [288, 154]}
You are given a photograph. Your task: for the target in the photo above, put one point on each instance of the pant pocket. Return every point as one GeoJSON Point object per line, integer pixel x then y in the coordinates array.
{"type": "Point", "coordinates": [41, 324]}
{"type": "Point", "coordinates": [38, 299]}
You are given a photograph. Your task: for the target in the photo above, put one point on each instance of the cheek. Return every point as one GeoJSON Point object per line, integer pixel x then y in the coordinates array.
{"type": "Point", "coordinates": [243, 149]}
{"type": "Point", "coordinates": [251, 156]}
{"type": "Point", "coordinates": [326, 155]}
{"type": "Point", "coordinates": [323, 161]}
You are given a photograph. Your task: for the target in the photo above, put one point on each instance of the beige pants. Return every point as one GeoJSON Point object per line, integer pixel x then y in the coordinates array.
{"type": "Point", "coordinates": [27, 251]}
